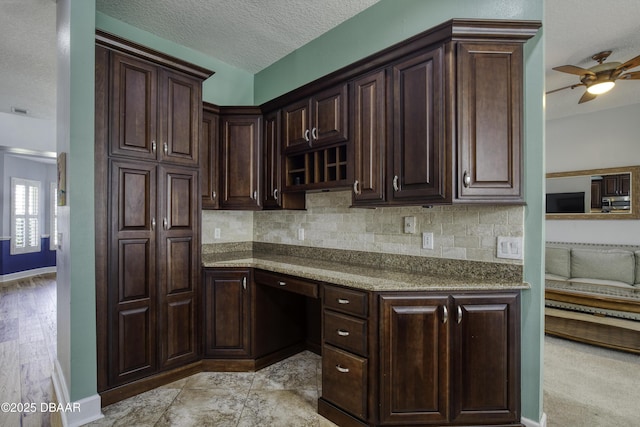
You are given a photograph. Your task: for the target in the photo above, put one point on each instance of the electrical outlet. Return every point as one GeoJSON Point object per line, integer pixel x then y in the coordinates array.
{"type": "Point", "coordinates": [509, 247]}
{"type": "Point", "coordinates": [410, 224]}
{"type": "Point", "coordinates": [427, 240]}
{"type": "Point", "coordinates": [300, 233]}
{"type": "Point", "coordinates": [216, 233]}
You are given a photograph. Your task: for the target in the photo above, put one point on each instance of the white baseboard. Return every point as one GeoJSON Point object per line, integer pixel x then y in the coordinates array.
{"type": "Point", "coordinates": [530, 423]}
{"type": "Point", "coordinates": [26, 273]}
{"type": "Point", "coordinates": [76, 413]}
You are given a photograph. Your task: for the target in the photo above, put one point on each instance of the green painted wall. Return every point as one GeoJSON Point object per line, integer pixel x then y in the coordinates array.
{"type": "Point", "coordinates": [228, 86]}
{"type": "Point", "coordinates": [75, 136]}
{"type": "Point", "coordinates": [391, 21]}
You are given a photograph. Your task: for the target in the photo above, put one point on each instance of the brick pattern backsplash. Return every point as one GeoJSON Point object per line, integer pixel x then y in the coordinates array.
{"type": "Point", "coordinates": [466, 232]}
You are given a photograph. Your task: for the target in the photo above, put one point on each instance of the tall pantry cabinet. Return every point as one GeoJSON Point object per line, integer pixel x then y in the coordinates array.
{"type": "Point", "coordinates": [148, 118]}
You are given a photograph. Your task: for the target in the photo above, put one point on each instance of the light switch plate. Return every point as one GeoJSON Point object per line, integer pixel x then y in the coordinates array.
{"type": "Point", "coordinates": [509, 247]}
{"type": "Point", "coordinates": [427, 240]}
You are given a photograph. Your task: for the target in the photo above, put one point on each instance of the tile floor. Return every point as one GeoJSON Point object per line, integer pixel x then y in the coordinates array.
{"type": "Point", "coordinates": [283, 394]}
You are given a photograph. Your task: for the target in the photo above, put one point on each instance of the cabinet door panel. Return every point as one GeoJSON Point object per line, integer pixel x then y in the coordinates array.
{"type": "Point", "coordinates": [180, 118]}
{"type": "Point", "coordinates": [489, 120]}
{"type": "Point", "coordinates": [132, 271]}
{"type": "Point", "coordinates": [181, 199]}
{"type": "Point", "coordinates": [135, 346]}
{"type": "Point", "coordinates": [181, 330]}
{"type": "Point", "coordinates": [295, 119]}
{"type": "Point", "coordinates": [133, 107]}
{"type": "Point", "coordinates": [271, 162]}
{"type": "Point", "coordinates": [241, 162]}
{"type": "Point", "coordinates": [179, 270]}
{"type": "Point", "coordinates": [418, 138]}
{"type": "Point", "coordinates": [227, 316]}
{"type": "Point", "coordinates": [330, 117]}
{"type": "Point", "coordinates": [414, 359]}
{"type": "Point", "coordinates": [209, 161]}
{"type": "Point", "coordinates": [486, 363]}
{"type": "Point", "coordinates": [369, 137]}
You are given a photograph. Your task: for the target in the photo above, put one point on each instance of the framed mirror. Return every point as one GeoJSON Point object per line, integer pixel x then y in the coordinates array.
{"type": "Point", "coordinates": [611, 193]}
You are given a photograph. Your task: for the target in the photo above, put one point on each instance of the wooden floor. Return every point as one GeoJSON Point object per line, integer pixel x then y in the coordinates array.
{"type": "Point", "coordinates": [27, 349]}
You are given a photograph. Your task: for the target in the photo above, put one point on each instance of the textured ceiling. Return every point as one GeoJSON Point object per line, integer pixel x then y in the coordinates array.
{"type": "Point", "coordinates": [248, 34]}
{"type": "Point", "coordinates": [251, 34]}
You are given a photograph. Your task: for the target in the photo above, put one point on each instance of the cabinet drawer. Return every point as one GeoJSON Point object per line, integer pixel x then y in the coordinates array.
{"type": "Point", "coordinates": [286, 283]}
{"type": "Point", "coordinates": [345, 300]}
{"type": "Point", "coordinates": [347, 332]}
{"type": "Point", "coordinates": [344, 380]}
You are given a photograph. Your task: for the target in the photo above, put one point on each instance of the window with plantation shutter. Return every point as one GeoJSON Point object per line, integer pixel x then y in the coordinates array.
{"type": "Point", "coordinates": [25, 216]}
{"type": "Point", "coordinates": [53, 217]}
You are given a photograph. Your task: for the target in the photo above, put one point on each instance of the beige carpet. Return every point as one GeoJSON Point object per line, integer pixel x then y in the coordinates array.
{"type": "Point", "coordinates": [590, 386]}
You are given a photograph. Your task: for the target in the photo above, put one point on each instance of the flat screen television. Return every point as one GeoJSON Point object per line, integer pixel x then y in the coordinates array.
{"type": "Point", "coordinates": [565, 202]}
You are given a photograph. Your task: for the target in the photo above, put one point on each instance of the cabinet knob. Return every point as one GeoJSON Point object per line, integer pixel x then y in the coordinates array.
{"type": "Point", "coordinates": [466, 179]}
{"type": "Point", "coordinates": [165, 223]}
{"type": "Point", "coordinates": [343, 333]}
{"type": "Point", "coordinates": [153, 223]}
{"type": "Point", "coordinates": [343, 301]}
{"type": "Point", "coordinates": [165, 147]}
{"type": "Point", "coordinates": [341, 369]}
{"type": "Point", "coordinates": [306, 135]}
{"type": "Point", "coordinates": [244, 282]}
{"type": "Point", "coordinates": [213, 195]}
{"type": "Point", "coordinates": [255, 195]}
{"type": "Point", "coordinates": [314, 133]}
{"type": "Point", "coordinates": [445, 314]}
{"type": "Point", "coordinates": [459, 314]}
{"type": "Point", "coordinates": [355, 187]}
{"type": "Point", "coordinates": [275, 194]}
{"type": "Point", "coordinates": [153, 146]}
{"type": "Point", "coordinates": [395, 183]}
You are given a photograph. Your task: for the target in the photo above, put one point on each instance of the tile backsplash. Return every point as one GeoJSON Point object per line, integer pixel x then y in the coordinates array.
{"type": "Point", "coordinates": [466, 232]}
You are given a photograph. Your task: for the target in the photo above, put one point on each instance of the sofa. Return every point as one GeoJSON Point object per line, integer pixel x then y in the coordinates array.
{"type": "Point", "coordinates": [592, 293]}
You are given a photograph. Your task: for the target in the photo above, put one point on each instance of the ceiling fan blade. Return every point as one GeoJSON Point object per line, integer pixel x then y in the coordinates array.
{"type": "Point", "coordinates": [572, 69]}
{"type": "Point", "coordinates": [630, 76]}
{"type": "Point", "coordinates": [587, 97]}
{"type": "Point", "coordinates": [563, 88]}
{"type": "Point", "coordinates": [632, 63]}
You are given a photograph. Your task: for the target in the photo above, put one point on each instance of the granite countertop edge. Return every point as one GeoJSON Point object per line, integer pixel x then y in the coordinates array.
{"type": "Point", "coordinates": [361, 277]}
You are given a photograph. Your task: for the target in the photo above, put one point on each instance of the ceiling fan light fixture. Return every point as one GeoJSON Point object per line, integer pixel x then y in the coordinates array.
{"type": "Point", "coordinates": [601, 87]}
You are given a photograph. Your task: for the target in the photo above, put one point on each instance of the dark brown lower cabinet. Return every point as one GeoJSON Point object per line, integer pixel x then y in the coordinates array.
{"type": "Point", "coordinates": [429, 359]}
{"type": "Point", "coordinates": [227, 313]}
{"type": "Point", "coordinates": [451, 359]}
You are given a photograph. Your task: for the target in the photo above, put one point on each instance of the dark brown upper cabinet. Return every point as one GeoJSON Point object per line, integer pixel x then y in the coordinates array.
{"type": "Point", "coordinates": [453, 114]}
{"type": "Point", "coordinates": [418, 149]}
{"type": "Point", "coordinates": [155, 112]}
{"type": "Point", "coordinates": [272, 166]}
{"type": "Point", "coordinates": [240, 155]}
{"type": "Point", "coordinates": [316, 121]}
{"type": "Point", "coordinates": [368, 137]}
{"type": "Point", "coordinates": [489, 122]}
{"type": "Point", "coordinates": [209, 157]}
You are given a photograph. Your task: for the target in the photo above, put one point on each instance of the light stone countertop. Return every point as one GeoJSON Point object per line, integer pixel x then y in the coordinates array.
{"type": "Point", "coordinates": [361, 277]}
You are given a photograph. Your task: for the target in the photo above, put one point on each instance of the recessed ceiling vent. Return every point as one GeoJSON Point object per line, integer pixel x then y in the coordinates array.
{"type": "Point", "coordinates": [19, 110]}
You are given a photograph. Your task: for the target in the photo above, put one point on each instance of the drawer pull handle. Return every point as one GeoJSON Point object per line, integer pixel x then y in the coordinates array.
{"type": "Point", "coordinates": [459, 314]}
{"type": "Point", "coordinates": [343, 301]}
{"type": "Point", "coordinates": [341, 369]}
{"type": "Point", "coordinates": [445, 314]}
{"type": "Point", "coordinates": [343, 333]}
{"type": "Point", "coordinates": [282, 283]}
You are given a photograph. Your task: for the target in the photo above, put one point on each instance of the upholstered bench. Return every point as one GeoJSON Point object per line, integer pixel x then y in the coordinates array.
{"type": "Point", "coordinates": [593, 293]}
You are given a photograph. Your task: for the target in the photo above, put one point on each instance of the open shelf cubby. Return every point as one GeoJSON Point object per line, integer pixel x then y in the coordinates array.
{"type": "Point", "coordinates": [323, 168]}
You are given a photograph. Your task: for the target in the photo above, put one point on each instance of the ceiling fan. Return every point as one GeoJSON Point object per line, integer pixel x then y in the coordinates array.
{"type": "Point", "coordinates": [600, 78]}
